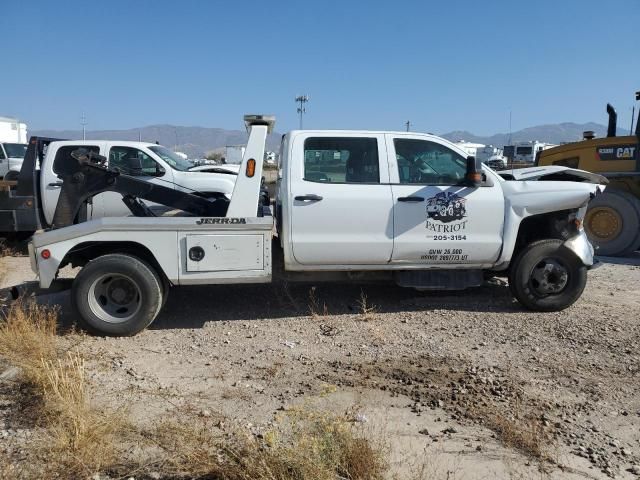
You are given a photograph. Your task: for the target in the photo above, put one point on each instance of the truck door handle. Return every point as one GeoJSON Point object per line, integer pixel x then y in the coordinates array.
{"type": "Point", "coordinates": [309, 197]}
{"type": "Point", "coordinates": [411, 199]}
{"type": "Point", "coordinates": [55, 184]}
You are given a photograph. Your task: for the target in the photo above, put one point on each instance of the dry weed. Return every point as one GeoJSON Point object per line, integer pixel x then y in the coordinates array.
{"type": "Point", "coordinates": [27, 337]}
{"type": "Point", "coordinates": [316, 446]}
{"type": "Point", "coordinates": [367, 311]}
{"type": "Point", "coordinates": [315, 309]}
{"type": "Point", "coordinates": [74, 438]}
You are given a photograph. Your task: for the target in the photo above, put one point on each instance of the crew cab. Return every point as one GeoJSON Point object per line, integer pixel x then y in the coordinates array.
{"type": "Point", "coordinates": [410, 208]}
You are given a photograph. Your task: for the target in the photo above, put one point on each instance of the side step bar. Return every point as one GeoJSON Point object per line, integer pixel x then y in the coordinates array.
{"type": "Point", "coordinates": [439, 279]}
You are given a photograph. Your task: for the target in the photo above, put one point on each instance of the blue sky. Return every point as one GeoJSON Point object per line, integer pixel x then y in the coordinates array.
{"type": "Point", "coordinates": [445, 65]}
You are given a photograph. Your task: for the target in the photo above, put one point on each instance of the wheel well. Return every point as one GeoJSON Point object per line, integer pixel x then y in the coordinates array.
{"type": "Point", "coordinates": [545, 226]}
{"type": "Point", "coordinates": [84, 252]}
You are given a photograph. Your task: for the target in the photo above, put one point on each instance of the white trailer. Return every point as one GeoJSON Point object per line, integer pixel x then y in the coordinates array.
{"type": "Point", "coordinates": [526, 152]}
{"type": "Point", "coordinates": [487, 154]}
{"type": "Point", "coordinates": [12, 130]}
{"type": "Point", "coordinates": [406, 207]}
{"type": "Point", "coordinates": [13, 146]}
{"type": "Point", "coordinates": [233, 154]}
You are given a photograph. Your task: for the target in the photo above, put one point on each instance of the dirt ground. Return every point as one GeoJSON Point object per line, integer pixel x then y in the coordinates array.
{"type": "Point", "coordinates": [465, 384]}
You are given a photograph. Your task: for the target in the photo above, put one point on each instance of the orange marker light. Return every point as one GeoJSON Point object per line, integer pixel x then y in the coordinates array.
{"type": "Point", "coordinates": [46, 254]}
{"type": "Point", "coordinates": [251, 167]}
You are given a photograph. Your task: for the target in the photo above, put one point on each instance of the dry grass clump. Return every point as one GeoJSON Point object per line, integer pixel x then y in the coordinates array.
{"type": "Point", "coordinates": [518, 429]}
{"type": "Point", "coordinates": [74, 438]}
{"type": "Point", "coordinates": [315, 308]}
{"type": "Point", "coordinates": [315, 446]}
{"type": "Point", "coordinates": [27, 338]}
{"type": "Point", "coordinates": [526, 435]}
{"type": "Point", "coordinates": [367, 310]}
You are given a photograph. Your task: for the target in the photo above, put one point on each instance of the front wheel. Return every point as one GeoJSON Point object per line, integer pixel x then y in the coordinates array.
{"type": "Point", "coordinates": [117, 295]}
{"type": "Point", "coordinates": [547, 277]}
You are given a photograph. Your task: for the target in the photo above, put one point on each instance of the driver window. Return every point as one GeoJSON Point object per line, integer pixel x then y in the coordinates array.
{"type": "Point", "coordinates": [134, 162]}
{"type": "Point", "coordinates": [428, 163]}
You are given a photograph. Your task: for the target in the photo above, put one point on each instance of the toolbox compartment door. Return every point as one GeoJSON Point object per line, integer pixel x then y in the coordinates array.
{"type": "Point", "coordinates": [224, 252]}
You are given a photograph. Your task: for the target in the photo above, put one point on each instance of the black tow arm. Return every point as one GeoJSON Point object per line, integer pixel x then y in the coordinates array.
{"type": "Point", "coordinates": [89, 175]}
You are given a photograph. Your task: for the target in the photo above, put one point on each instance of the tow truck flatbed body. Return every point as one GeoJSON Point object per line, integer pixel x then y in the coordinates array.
{"type": "Point", "coordinates": [236, 250]}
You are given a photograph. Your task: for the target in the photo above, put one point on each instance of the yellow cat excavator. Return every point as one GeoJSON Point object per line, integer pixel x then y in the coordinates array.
{"type": "Point", "coordinates": [613, 218]}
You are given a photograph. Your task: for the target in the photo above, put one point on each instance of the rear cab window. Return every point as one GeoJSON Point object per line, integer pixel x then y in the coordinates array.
{"type": "Point", "coordinates": [64, 163]}
{"type": "Point", "coordinates": [341, 160]}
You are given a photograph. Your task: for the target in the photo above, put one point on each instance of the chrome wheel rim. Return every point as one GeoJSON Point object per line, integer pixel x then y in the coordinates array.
{"type": "Point", "coordinates": [114, 298]}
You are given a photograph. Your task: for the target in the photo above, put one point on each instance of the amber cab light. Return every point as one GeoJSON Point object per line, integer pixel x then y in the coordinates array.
{"type": "Point", "coordinates": [46, 254]}
{"type": "Point", "coordinates": [251, 167]}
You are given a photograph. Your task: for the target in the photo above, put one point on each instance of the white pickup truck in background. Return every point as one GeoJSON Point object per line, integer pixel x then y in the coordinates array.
{"type": "Point", "coordinates": [32, 203]}
{"type": "Point", "coordinates": [11, 157]}
{"type": "Point", "coordinates": [149, 161]}
{"type": "Point", "coordinates": [350, 206]}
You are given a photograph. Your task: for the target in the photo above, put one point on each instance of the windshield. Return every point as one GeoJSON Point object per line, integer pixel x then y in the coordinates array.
{"type": "Point", "coordinates": [15, 150]}
{"type": "Point", "coordinates": [174, 160]}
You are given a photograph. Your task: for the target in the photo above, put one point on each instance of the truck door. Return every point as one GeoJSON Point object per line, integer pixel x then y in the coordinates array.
{"type": "Point", "coordinates": [340, 197]}
{"type": "Point", "coordinates": [137, 163]}
{"type": "Point", "coordinates": [57, 159]}
{"type": "Point", "coordinates": [436, 219]}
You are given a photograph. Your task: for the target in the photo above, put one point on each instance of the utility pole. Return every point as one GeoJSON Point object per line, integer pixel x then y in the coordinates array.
{"type": "Point", "coordinates": [302, 100]}
{"type": "Point", "coordinates": [83, 122]}
{"type": "Point", "coordinates": [175, 130]}
{"type": "Point", "coordinates": [408, 125]}
{"type": "Point", "coordinates": [633, 114]}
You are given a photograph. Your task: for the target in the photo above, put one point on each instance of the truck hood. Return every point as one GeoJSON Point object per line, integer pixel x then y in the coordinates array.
{"type": "Point", "coordinates": [206, 182]}
{"type": "Point", "coordinates": [534, 197]}
{"type": "Point", "coordinates": [553, 172]}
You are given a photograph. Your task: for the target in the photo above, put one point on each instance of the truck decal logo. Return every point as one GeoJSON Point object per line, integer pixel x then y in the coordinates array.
{"type": "Point", "coordinates": [446, 212]}
{"type": "Point", "coordinates": [220, 221]}
{"type": "Point", "coordinates": [446, 207]}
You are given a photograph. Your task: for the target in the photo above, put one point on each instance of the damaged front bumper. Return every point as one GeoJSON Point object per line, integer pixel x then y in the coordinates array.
{"type": "Point", "coordinates": [581, 246]}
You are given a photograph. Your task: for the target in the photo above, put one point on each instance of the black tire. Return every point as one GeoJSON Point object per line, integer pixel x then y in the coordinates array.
{"type": "Point", "coordinates": [554, 292]}
{"type": "Point", "coordinates": [117, 295]}
{"type": "Point", "coordinates": [612, 223]}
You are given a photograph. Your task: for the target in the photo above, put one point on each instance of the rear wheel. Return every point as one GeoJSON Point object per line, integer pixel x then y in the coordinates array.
{"type": "Point", "coordinates": [547, 277]}
{"type": "Point", "coordinates": [117, 295]}
{"type": "Point", "coordinates": [612, 223]}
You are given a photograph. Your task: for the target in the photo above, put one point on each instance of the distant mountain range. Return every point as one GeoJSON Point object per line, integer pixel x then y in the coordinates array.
{"type": "Point", "coordinates": [198, 141]}
{"type": "Point", "coordinates": [556, 133]}
{"type": "Point", "coordinates": [194, 141]}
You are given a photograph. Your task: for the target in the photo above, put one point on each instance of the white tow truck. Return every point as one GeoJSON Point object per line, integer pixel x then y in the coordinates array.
{"type": "Point", "coordinates": [350, 206]}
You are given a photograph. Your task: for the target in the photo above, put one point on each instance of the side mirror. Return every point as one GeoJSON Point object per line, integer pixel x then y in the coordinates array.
{"type": "Point", "coordinates": [473, 176]}
{"type": "Point", "coordinates": [160, 171]}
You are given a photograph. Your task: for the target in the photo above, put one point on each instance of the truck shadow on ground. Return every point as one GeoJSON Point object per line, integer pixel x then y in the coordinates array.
{"type": "Point", "coordinates": [195, 306]}
{"type": "Point", "coordinates": [192, 307]}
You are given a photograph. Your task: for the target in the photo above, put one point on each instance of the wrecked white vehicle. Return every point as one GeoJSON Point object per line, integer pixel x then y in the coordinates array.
{"type": "Point", "coordinates": [350, 206]}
